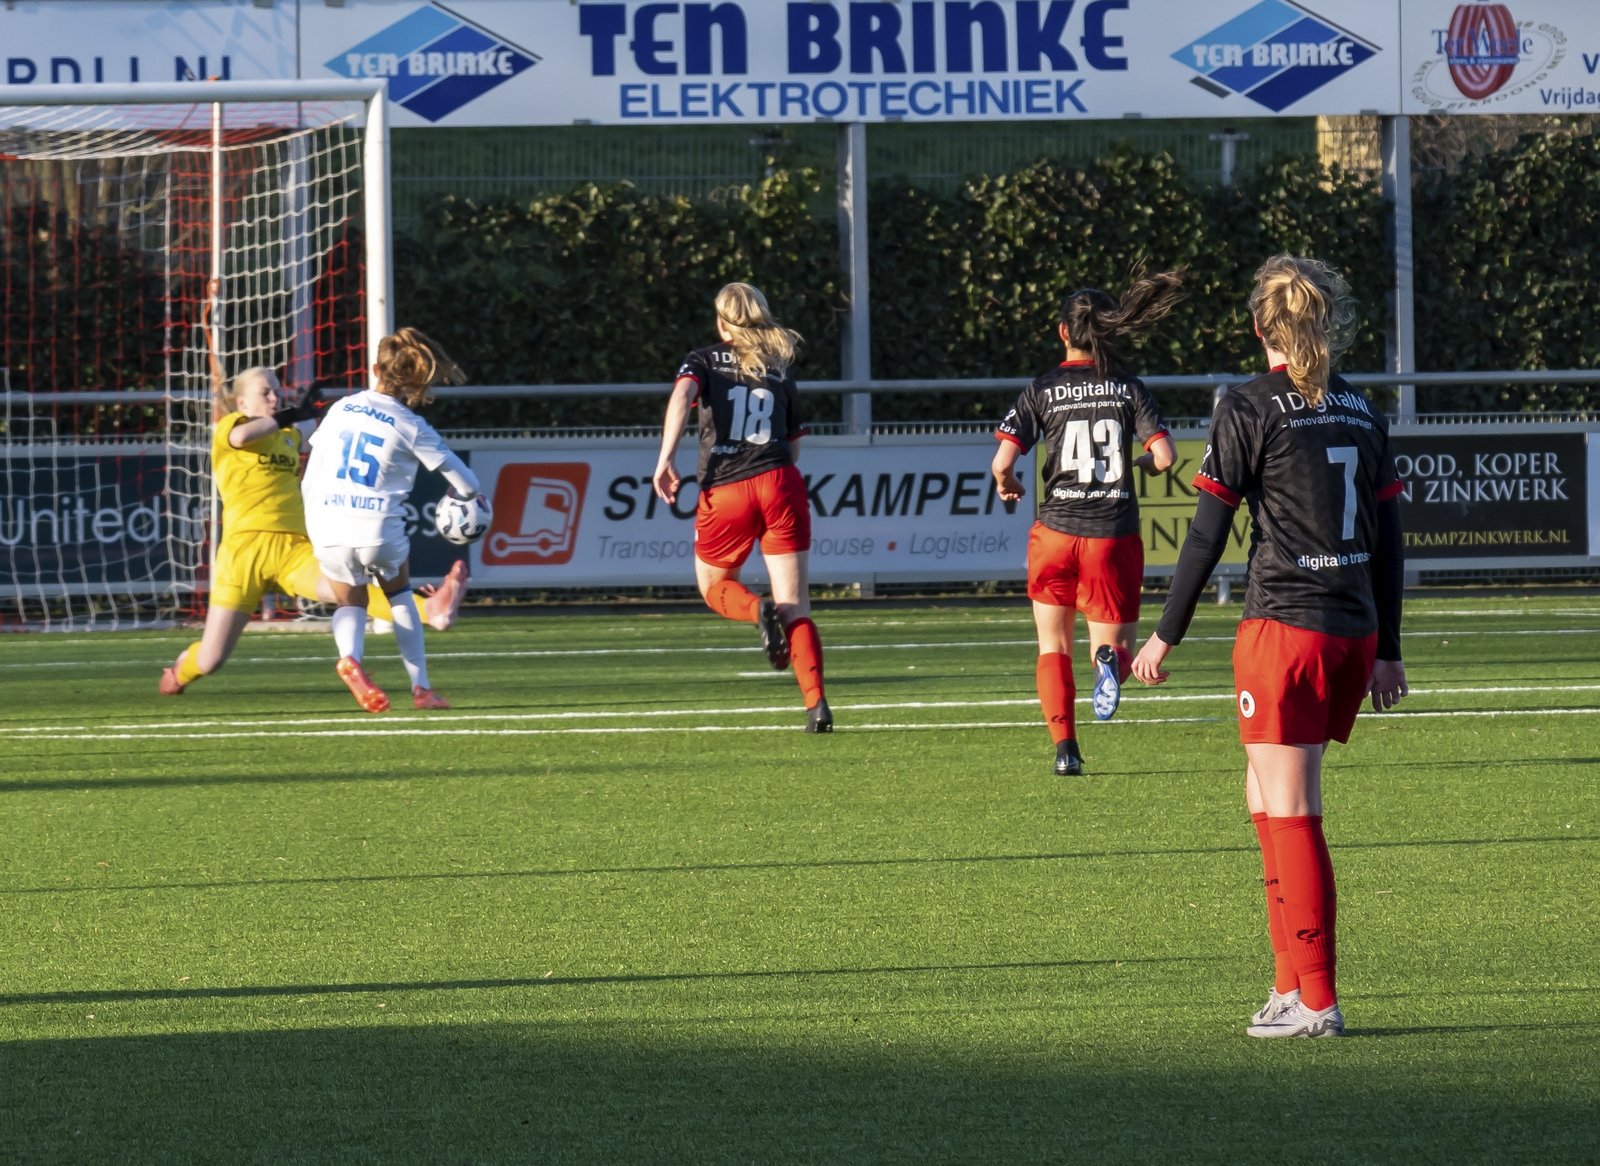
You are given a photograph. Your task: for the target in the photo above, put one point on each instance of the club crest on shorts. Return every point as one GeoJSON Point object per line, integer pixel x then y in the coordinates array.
{"type": "Point", "coordinates": [1247, 704]}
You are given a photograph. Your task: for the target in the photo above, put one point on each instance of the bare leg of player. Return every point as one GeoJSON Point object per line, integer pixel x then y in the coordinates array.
{"type": "Point", "coordinates": [1284, 784]}
{"type": "Point", "coordinates": [207, 654]}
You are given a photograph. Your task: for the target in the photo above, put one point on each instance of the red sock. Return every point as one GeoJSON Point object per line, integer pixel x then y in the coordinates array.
{"type": "Point", "coordinates": [1283, 977]}
{"type": "Point", "coordinates": [1124, 664]}
{"type": "Point", "coordinates": [805, 650]}
{"type": "Point", "coordinates": [732, 600]}
{"type": "Point", "coordinates": [1056, 694]}
{"type": "Point", "coordinates": [1305, 885]}
{"type": "Point", "coordinates": [1330, 902]}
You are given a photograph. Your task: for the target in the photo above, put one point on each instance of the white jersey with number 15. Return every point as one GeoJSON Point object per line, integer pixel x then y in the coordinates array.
{"type": "Point", "coordinates": [364, 459]}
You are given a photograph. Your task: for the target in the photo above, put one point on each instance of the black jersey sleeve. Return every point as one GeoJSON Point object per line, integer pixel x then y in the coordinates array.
{"type": "Point", "coordinates": [696, 369]}
{"type": "Point", "coordinates": [1231, 467]}
{"type": "Point", "coordinates": [794, 407]}
{"type": "Point", "coordinates": [1388, 578]}
{"type": "Point", "coordinates": [1147, 420]}
{"type": "Point", "coordinates": [1021, 426]}
{"type": "Point", "coordinates": [1202, 551]}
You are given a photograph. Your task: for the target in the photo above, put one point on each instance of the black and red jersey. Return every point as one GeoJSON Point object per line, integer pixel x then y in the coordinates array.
{"type": "Point", "coordinates": [1088, 424]}
{"type": "Point", "coordinates": [745, 426]}
{"type": "Point", "coordinates": [1313, 477]}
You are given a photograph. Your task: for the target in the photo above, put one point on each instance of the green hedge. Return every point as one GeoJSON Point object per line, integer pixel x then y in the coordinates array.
{"type": "Point", "coordinates": [608, 285]}
{"type": "Point", "coordinates": [1507, 252]}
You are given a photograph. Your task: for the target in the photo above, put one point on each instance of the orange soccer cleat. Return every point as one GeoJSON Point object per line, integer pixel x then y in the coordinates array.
{"type": "Point", "coordinates": [427, 698]}
{"type": "Point", "coordinates": [440, 604]}
{"type": "Point", "coordinates": [368, 695]}
{"type": "Point", "coordinates": [170, 685]}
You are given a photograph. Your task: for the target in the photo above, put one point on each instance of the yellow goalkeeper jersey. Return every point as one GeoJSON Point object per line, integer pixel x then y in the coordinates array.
{"type": "Point", "coordinates": [259, 483]}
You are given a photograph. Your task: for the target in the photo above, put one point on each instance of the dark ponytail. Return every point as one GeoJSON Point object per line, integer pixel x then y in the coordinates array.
{"type": "Point", "coordinates": [1094, 320]}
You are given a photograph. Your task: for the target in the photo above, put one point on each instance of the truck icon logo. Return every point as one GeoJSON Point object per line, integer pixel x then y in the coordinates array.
{"type": "Point", "coordinates": [536, 512]}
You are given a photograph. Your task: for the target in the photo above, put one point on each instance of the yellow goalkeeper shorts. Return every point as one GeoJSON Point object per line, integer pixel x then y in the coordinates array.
{"type": "Point", "coordinates": [253, 562]}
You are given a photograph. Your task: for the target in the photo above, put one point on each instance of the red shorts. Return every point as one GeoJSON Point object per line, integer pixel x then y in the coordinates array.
{"type": "Point", "coordinates": [772, 507]}
{"type": "Point", "coordinates": [1297, 687]}
{"type": "Point", "coordinates": [1100, 577]}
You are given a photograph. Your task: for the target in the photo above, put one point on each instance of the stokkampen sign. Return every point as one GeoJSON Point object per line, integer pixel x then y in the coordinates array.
{"type": "Point", "coordinates": [552, 62]}
{"type": "Point", "coordinates": [570, 516]}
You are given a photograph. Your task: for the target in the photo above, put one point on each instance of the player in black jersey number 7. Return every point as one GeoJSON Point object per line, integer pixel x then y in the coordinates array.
{"type": "Point", "coordinates": [1085, 552]}
{"type": "Point", "coordinates": [751, 422]}
{"type": "Point", "coordinates": [1310, 456]}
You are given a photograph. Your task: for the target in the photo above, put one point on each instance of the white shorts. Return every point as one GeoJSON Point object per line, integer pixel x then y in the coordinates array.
{"type": "Point", "coordinates": [359, 565]}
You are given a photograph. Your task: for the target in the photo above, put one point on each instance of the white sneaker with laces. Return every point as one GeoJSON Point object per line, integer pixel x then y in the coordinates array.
{"type": "Point", "coordinates": [1302, 1021]}
{"type": "Point", "coordinates": [1277, 1004]}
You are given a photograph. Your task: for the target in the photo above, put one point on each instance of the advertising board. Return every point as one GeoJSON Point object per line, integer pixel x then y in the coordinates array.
{"type": "Point", "coordinates": [1519, 56]}
{"type": "Point", "coordinates": [578, 514]}
{"type": "Point", "coordinates": [551, 62]}
{"type": "Point", "coordinates": [76, 521]}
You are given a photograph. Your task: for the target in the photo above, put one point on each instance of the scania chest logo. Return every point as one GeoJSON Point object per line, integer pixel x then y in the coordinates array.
{"type": "Point", "coordinates": [1274, 54]}
{"type": "Point", "coordinates": [436, 61]}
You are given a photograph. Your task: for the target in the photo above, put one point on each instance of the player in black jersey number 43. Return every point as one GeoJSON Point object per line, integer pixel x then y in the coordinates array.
{"type": "Point", "coordinates": [1085, 552]}
{"type": "Point", "coordinates": [1309, 455]}
{"type": "Point", "coordinates": [751, 422]}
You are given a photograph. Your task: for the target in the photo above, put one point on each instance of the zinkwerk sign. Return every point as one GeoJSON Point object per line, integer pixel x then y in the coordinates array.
{"type": "Point", "coordinates": [553, 62]}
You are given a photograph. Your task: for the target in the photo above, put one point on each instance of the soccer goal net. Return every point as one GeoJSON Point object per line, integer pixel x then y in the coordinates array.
{"type": "Point", "coordinates": [143, 233]}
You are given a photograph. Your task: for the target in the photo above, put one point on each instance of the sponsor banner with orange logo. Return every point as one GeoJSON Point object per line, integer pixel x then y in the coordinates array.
{"type": "Point", "coordinates": [1516, 56]}
{"type": "Point", "coordinates": [570, 516]}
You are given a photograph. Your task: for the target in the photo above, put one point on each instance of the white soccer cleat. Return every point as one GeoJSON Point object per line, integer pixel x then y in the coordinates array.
{"type": "Point", "coordinates": [1302, 1021]}
{"type": "Point", "coordinates": [1277, 1004]}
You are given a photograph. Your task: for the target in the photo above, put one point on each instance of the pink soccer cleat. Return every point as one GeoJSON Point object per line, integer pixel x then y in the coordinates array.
{"type": "Point", "coordinates": [368, 695]}
{"type": "Point", "coordinates": [441, 604]}
{"type": "Point", "coordinates": [427, 698]}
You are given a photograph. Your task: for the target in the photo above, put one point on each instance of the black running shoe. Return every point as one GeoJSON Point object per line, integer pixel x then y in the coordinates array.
{"type": "Point", "coordinates": [1069, 762]}
{"type": "Point", "coordinates": [819, 718]}
{"type": "Point", "coordinates": [1107, 686]}
{"type": "Point", "coordinates": [773, 641]}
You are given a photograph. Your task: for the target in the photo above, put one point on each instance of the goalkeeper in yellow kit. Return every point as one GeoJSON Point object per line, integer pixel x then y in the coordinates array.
{"type": "Point", "coordinates": [255, 461]}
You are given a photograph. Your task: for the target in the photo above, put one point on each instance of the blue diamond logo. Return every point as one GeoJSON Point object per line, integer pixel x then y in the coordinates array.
{"type": "Point", "coordinates": [1274, 54]}
{"type": "Point", "coordinates": [436, 61]}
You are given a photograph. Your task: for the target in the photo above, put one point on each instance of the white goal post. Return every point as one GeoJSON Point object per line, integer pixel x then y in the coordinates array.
{"type": "Point", "coordinates": [147, 227]}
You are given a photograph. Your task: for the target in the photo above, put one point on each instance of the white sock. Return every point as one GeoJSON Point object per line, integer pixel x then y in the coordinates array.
{"type": "Point", "coordinates": [408, 637]}
{"type": "Point", "coordinates": [349, 630]}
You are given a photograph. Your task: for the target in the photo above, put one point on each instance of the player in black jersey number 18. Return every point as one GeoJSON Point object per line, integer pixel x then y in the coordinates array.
{"type": "Point", "coordinates": [1085, 552]}
{"type": "Point", "coordinates": [751, 421]}
{"type": "Point", "coordinates": [1310, 456]}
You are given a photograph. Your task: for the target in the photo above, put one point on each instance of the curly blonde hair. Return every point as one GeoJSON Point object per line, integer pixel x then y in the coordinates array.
{"type": "Point", "coordinates": [1303, 308]}
{"type": "Point", "coordinates": [410, 364]}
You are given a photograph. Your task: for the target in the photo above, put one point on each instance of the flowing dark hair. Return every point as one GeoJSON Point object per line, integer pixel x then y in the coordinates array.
{"type": "Point", "coordinates": [1094, 320]}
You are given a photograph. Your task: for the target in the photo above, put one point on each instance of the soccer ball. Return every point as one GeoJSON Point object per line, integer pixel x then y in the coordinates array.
{"type": "Point", "coordinates": [463, 520]}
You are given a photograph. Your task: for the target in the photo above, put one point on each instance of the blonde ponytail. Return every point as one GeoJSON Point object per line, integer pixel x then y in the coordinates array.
{"type": "Point", "coordinates": [1303, 309]}
{"type": "Point", "coordinates": [758, 340]}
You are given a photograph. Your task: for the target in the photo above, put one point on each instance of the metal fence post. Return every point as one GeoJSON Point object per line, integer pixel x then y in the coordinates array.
{"type": "Point", "coordinates": [856, 349]}
{"type": "Point", "coordinates": [1397, 190]}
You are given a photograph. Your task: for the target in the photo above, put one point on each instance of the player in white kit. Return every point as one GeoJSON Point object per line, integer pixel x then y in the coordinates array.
{"type": "Point", "coordinates": [363, 464]}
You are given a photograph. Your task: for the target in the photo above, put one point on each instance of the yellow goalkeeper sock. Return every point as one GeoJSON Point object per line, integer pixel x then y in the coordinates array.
{"type": "Point", "coordinates": [188, 666]}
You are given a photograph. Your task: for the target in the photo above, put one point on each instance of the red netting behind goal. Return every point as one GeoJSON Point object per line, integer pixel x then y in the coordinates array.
{"type": "Point", "coordinates": [104, 268]}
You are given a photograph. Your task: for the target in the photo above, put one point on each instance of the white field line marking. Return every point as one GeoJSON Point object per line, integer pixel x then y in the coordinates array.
{"type": "Point", "coordinates": [750, 710]}
{"type": "Point", "coordinates": [635, 729]}
{"type": "Point", "coordinates": [548, 653]}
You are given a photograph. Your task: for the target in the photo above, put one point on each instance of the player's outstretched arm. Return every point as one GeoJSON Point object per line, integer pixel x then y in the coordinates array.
{"type": "Point", "coordinates": [667, 479]}
{"type": "Point", "coordinates": [1159, 457]}
{"type": "Point", "coordinates": [1388, 586]}
{"type": "Point", "coordinates": [1004, 470]}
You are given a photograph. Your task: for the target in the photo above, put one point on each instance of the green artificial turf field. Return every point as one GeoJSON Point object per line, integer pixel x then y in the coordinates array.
{"type": "Point", "coordinates": [562, 923]}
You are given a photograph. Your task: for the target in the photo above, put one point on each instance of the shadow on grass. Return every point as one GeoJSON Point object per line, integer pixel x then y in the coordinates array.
{"type": "Point", "coordinates": [742, 867]}
{"type": "Point", "coordinates": [577, 1093]}
{"type": "Point", "coordinates": [248, 991]}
